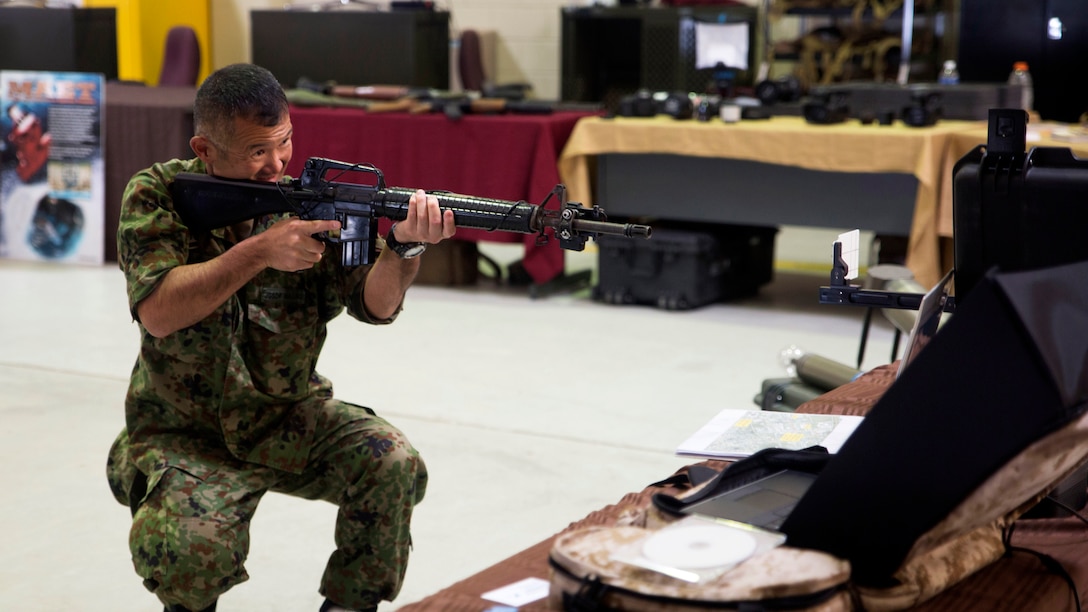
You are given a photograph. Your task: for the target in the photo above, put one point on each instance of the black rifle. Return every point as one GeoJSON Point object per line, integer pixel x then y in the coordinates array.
{"type": "Point", "coordinates": [206, 202]}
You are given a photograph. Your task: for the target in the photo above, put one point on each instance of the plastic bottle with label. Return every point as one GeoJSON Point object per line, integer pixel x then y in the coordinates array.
{"type": "Point", "coordinates": [950, 75]}
{"type": "Point", "coordinates": [1020, 76]}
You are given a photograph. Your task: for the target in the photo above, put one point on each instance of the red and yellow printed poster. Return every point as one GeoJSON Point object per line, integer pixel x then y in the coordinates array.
{"type": "Point", "coordinates": [52, 179]}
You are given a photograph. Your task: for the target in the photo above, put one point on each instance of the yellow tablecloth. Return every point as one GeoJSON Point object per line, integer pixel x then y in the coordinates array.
{"type": "Point", "coordinates": [788, 141]}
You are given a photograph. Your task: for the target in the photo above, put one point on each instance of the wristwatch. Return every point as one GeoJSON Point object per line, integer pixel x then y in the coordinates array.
{"type": "Point", "coordinates": [405, 250]}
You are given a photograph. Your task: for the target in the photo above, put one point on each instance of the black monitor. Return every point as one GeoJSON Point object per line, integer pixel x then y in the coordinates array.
{"type": "Point", "coordinates": [59, 39]}
{"type": "Point", "coordinates": [353, 47]}
{"type": "Point", "coordinates": [1014, 208]}
{"type": "Point", "coordinates": [610, 52]}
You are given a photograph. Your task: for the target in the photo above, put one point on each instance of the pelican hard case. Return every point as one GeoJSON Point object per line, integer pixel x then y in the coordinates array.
{"type": "Point", "coordinates": [685, 266]}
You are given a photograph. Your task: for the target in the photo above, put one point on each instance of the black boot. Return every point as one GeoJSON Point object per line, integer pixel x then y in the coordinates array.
{"type": "Point", "coordinates": [330, 605]}
{"type": "Point", "coordinates": [180, 608]}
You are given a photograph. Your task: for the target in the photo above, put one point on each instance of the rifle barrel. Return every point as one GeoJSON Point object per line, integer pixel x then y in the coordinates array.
{"type": "Point", "coordinates": [628, 230]}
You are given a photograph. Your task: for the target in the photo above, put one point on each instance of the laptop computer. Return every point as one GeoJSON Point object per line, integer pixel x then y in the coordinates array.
{"type": "Point", "coordinates": [930, 311]}
{"type": "Point", "coordinates": [764, 503]}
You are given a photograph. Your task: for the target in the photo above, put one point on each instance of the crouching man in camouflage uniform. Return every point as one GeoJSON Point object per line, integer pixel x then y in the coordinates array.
{"type": "Point", "coordinates": [224, 403]}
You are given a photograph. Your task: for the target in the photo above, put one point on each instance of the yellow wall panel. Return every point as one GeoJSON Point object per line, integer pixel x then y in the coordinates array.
{"type": "Point", "coordinates": [142, 26]}
{"type": "Point", "coordinates": [157, 17]}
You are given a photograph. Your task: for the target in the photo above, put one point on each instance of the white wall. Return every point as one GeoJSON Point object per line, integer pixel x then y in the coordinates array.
{"type": "Point", "coordinates": [526, 41]}
{"type": "Point", "coordinates": [230, 29]}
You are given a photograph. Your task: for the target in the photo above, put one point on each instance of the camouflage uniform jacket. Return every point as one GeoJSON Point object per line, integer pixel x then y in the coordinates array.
{"type": "Point", "coordinates": [236, 384]}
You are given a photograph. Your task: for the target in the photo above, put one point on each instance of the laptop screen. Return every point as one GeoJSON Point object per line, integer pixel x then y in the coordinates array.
{"type": "Point", "coordinates": [929, 319]}
{"type": "Point", "coordinates": [764, 503]}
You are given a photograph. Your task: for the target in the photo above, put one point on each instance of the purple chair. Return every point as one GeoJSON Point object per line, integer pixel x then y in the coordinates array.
{"type": "Point", "coordinates": [181, 59]}
{"type": "Point", "coordinates": [470, 63]}
{"type": "Point", "coordinates": [470, 67]}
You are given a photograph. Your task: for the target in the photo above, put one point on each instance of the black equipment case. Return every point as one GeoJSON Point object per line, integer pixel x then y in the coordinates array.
{"type": "Point", "coordinates": [685, 266]}
{"type": "Point", "coordinates": [1017, 208]}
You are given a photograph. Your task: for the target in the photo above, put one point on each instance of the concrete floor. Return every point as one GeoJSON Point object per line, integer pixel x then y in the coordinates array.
{"type": "Point", "coordinates": [534, 412]}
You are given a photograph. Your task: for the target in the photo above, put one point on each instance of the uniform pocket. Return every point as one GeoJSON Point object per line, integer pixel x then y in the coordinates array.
{"type": "Point", "coordinates": [282, 342]}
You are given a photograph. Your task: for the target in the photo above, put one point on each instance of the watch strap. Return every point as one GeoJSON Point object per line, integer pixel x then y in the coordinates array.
{"type": "Point", "coordinates": [404, 250]}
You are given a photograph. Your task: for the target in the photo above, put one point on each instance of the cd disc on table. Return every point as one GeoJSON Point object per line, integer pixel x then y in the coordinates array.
{"type": "Point", "coordinates": [698, 546]}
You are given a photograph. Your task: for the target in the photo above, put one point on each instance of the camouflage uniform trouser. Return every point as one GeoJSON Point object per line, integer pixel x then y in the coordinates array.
{"type": "Point", "coordinates": [190, 534]}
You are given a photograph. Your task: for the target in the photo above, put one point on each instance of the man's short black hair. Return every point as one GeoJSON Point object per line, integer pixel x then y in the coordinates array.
{"type": "Point", "coordinates": [244, 91]}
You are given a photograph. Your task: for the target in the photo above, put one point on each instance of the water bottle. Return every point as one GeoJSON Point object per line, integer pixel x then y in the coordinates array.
{"type": "Point", "coordinates": [950, 75]}
{"type": "Point", "coordinates": [1020, 76]}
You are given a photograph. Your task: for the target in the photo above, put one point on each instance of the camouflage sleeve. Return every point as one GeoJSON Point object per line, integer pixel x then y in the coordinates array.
{"type": "Point", "coordinates": [151, 239]}
{"type": "Point", "coordinates": [346, 289]}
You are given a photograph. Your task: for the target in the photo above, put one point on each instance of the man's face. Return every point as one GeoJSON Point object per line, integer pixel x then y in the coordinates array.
{"type": "Point", "coordinates": [255, 152]}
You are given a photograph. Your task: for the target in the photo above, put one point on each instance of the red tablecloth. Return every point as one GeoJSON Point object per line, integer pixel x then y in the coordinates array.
{"type": "Point", "coordinates": [510, 157]}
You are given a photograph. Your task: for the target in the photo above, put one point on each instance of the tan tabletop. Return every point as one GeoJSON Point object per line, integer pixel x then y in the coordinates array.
{"type": "Point", "coordinates": [788, 141]}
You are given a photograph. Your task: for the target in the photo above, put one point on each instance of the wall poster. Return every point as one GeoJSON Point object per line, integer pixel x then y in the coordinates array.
{"type": "Point", "coordinates": [52, 179]}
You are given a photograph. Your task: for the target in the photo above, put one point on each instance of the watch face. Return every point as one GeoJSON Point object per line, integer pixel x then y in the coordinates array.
{"type": "Point", "coordinates": [404, 250]}
{"type": "Point", "coordinates": [410, 251]}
